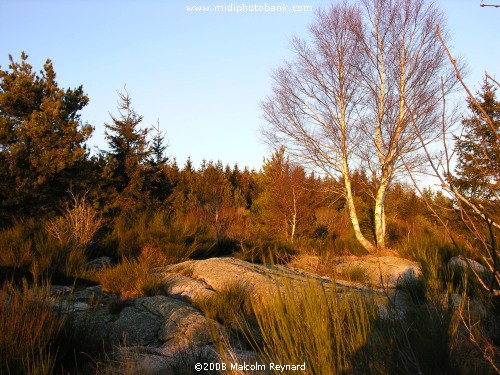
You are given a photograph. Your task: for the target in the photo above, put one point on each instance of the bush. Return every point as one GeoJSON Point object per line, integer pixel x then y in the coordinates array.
{"type": "Point", "coordinates": [177, 239]}
{"type": "Point", "coordinates": [77, 225]}
{"type": "Point", "coordinates": [28, 246]}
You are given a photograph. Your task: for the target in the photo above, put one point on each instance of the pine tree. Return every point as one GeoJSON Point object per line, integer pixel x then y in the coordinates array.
{"type": "Point", "coordinates": [218, 198]}
{"type": "Point", "coordinates": [158, 147]}
{"type": "Point", "coordinates": [42, 138]}
{"type": "Point", "coordinates": [478, 150]}
{"type": "Point", "coordinates": [127, 156]}
{"type": "Point", "coordinates": [158, 178]}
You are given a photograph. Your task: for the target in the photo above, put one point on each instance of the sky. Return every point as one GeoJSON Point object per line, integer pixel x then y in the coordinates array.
{"type": "Point", "coordinates": [202, 75]}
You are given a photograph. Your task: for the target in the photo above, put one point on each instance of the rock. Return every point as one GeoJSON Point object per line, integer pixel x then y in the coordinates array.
{"type": "Point", "coordinates": [67, 299]}
{"type": "Point", "coordinates": [201, 278]}
{"type": "Point", "coordinates": [99, 263]}
{"type": "Point", "coordinates": [382, 272]}
{"type": "Point", "coordinates": [178, 285]}
{"type": "Point", "coordinates": [59, 291]}
{"type": "Point", "coordinates": [161, 332]}
{"type": "Point", "coordinates": [462, 263]}
{"type": "Point", "coordinates": [149, 333]}
{"type": "Point", "coordinates": [156, 326]}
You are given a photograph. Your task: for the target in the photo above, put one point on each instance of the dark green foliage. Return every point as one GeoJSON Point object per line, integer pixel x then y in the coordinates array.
{"type": "Point", "coordinates": [159, 181]}
{"type": "Point", "coordinates": [478, 164]}
{"type": "Point", "coordinates": [126, 159]}
{"type": "Point", "coordinates": [158, 147]}
{"type": "Point", "coordinates": [42, 139]}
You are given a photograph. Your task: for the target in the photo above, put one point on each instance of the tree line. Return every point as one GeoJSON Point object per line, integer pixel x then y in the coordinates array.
{"type": "Point", "coordinates": [350, 120]}
{"type": "Point", "coordinates": [45, 159]}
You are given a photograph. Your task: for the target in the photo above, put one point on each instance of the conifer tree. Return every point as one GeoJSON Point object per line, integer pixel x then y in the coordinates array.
{"type": "Point", "coordinates": [478, 150]}
{"type": "Point", "coordinates": [216, 197]}
{"type": "Point", "coordinates": [127, 155]}
{"type": "Point", "coordinates": [159, 182]}
{"type": "Point", "coordinates": [42, 138]}
{"type": "Point", "coordinates": [158, 147]}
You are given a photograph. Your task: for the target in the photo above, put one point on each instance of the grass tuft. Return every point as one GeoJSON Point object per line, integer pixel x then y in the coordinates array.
{"type": "Point", "coordinates": [324, 328]}
{"type": "Point", "coordinates": [29, 325]}
{"type": "Point", "coordinates": [131, 278]}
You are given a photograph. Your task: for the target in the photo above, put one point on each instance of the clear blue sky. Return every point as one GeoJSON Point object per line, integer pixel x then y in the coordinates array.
{"type": "Point", "coordinates": [201, 74]}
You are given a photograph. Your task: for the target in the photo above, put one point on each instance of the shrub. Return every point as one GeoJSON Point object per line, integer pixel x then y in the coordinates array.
{"type": "Point", "coordinates": [175, 238]}
{"type": "Point", "coordinates": [77, 225]}
{"type": "Point", "coordinates": [27, 245]}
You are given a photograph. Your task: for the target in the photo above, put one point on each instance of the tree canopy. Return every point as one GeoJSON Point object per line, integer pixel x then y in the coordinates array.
{"type": "Point", "coordinates": [478, 151]}
{"type": "Point", "coordinates": [358, 93]}
{"type": "Point", "coordinates": [42, 138]}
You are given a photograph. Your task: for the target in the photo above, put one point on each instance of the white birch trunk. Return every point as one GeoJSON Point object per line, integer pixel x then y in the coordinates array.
{"type": "Point", "coordinates": [354, 217]}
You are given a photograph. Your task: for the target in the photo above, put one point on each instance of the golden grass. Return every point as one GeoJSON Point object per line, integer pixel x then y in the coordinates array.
{"type": "Point", "coordinates": [130, 278]}
{"type": "Point", "coordinates": [29, 326]}
{"type": "Point", "coordinates": [325, 328]}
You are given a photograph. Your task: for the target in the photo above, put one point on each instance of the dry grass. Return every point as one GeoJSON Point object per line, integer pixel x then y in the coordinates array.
{"type": "Point", "coordinates": [78, 224]}
{"type": "Point", "coordinates": [132, 278]}
{"type": "Point", "coordinates": [356, 274]}
{"type": "Point", "coordinates": [232, 307]}
{"type": "Point", "coordinates": [16, 245]}
{"type": "Point", "coordinates": [312, 263]}
{"type": "Point", "coordinates": [323, 328]}
{"type": "Point", "coordinates": [28, 328]}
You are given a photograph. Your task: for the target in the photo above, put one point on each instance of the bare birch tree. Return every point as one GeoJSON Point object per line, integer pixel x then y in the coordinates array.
{"type": "Point", "coordinates": [344, 103]}
{"type": "Point", "coordinates": [478, 211]}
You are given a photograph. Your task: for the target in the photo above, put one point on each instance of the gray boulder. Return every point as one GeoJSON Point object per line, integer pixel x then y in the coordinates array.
{"type": "Point", "coordinates": [381, 272]}
{"type": "Point", "coordinates": [462, 263]}
{"type": "Point", "coordinates": [158, 333]}
{"type": "Point", "coordinates": [149, 333]}
{"type": "Point", "coordinates": [99, 263]}
{"type": "Point", "coordinates": [203, 278]}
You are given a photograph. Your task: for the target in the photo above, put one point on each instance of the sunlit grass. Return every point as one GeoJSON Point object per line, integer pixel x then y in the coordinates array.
{"type": "Point", "coordinates": [325, 328]}
{"type": "Point", "coordinates": [130, 278]}
{"type": "Point", "coordinates": [29, 326]}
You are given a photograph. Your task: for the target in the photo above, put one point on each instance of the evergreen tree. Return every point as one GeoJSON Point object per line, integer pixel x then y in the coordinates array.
{"type": "Point", "coordinates": [158, 147]}
{"type": "Point", "coordinates": [478, 150]}
{"type": "Point", "coordinates": [159, 181]}
{"type": "Point", "coordinates": [127, 157]}
{"type": "Point", "coordinates": [218, 198]}
{"type": "Point", "coordinates": [42, 138]}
